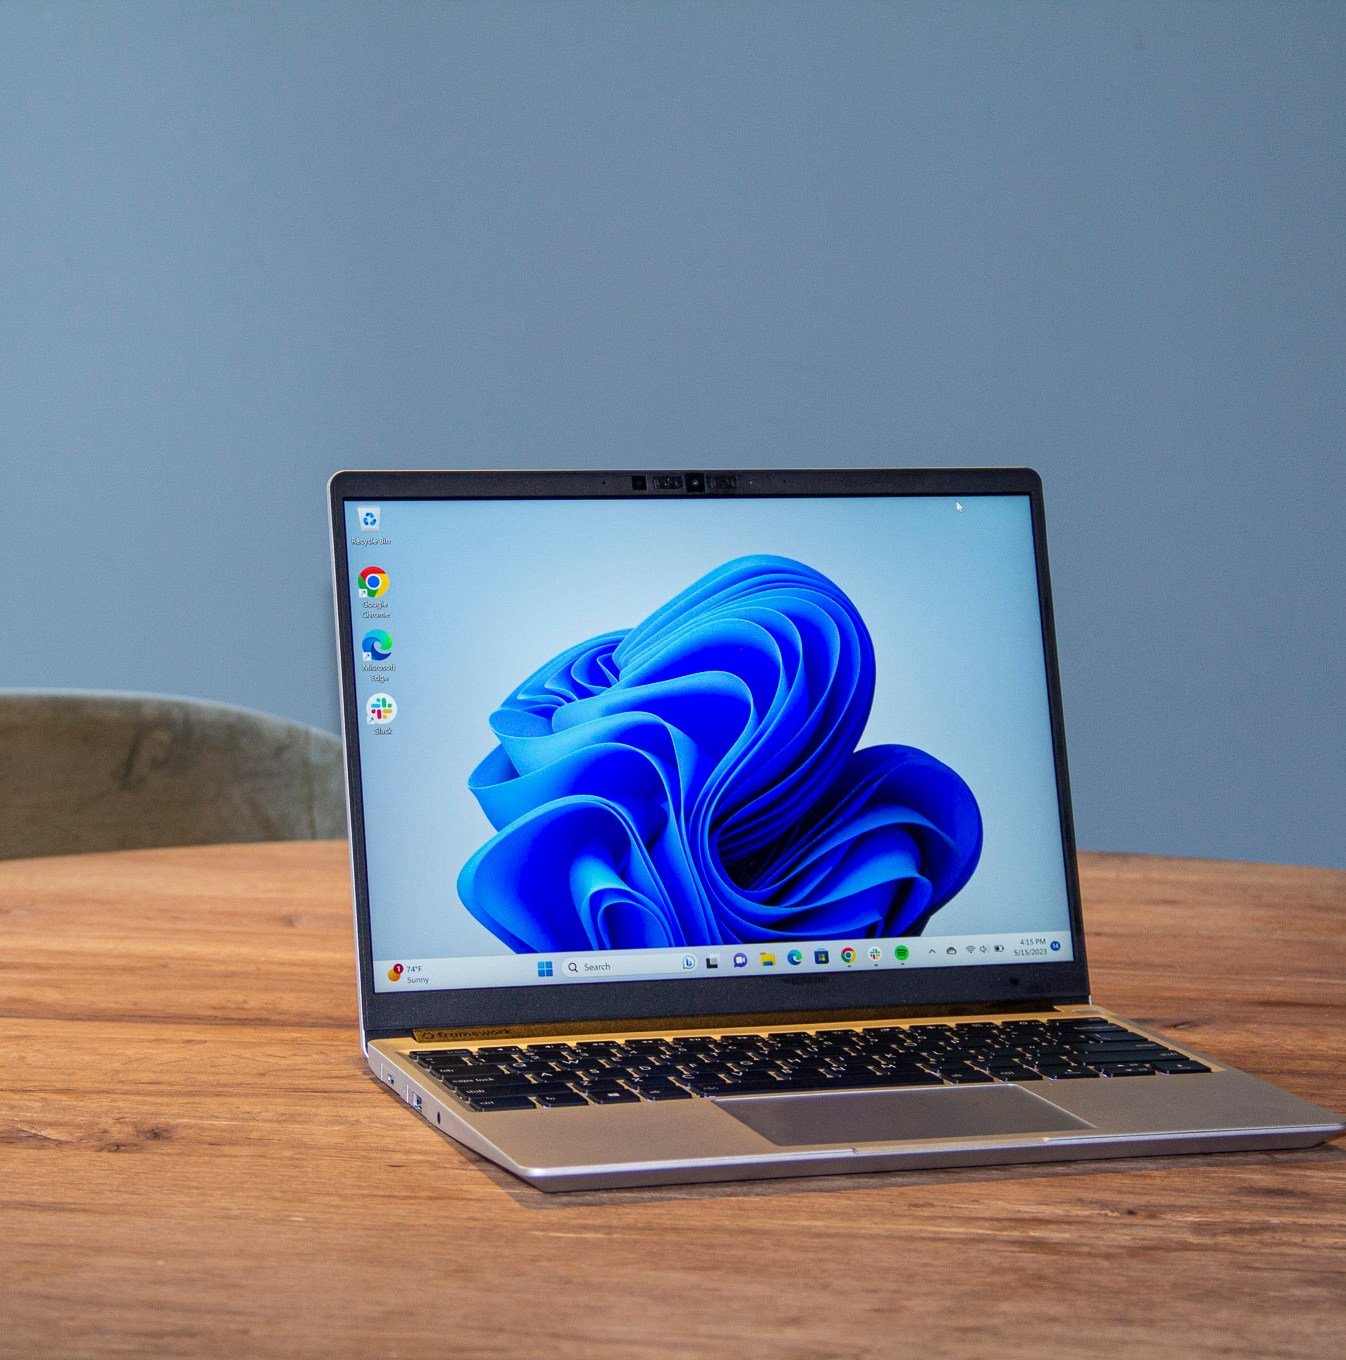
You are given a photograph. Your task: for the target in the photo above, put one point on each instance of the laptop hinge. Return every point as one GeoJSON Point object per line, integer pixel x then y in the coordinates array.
{"type": "Point", "coordinates": [663, 1024]}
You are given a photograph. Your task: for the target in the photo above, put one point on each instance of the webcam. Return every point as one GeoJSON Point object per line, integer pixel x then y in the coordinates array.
{"type": "Point", "coordinates": [691, 483]}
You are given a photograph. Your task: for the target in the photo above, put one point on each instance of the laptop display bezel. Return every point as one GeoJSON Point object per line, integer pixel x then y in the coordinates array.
{"type": "Point", "coordinates": [899, 991]}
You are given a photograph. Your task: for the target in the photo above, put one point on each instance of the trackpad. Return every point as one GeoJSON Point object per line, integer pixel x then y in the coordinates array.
{"type": "Point", "coordinates": [900, 1116]}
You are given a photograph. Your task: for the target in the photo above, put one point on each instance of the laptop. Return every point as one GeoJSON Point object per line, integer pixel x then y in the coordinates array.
{"type": "Point", "coordinates": [715, 824]}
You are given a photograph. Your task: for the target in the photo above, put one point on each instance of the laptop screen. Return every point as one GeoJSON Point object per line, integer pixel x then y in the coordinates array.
{"type": "Point", "coordinates": [606, 740]}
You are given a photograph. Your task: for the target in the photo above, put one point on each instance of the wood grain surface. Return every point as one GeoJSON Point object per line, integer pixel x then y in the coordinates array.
{"type": "Point", "coordinates": [194, 1162]}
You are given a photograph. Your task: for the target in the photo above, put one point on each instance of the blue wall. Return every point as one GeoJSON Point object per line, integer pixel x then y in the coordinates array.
{"type": "Point", "coordinates": [244, 245]}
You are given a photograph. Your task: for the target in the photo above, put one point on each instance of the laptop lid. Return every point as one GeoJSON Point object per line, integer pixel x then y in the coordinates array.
{"type": "Point", "coordinates": [650, 744]}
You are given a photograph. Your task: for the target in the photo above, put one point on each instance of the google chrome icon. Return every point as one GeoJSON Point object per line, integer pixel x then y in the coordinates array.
{"type": "Point", "coordinates": [376, 645]}
{"type": "Point", "coordinates": [373, 583]}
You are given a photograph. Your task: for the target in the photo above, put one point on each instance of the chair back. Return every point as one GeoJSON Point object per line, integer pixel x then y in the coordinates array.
{"type": "Point", "coordinates": [107, 771]}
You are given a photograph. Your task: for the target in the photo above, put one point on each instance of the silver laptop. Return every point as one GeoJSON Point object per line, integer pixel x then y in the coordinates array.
{"type": "Point", "coordinates": [715, 824]}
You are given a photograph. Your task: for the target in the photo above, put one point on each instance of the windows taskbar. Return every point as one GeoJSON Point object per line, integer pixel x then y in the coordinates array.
{"type": "Point", "coordinates": [753, 960]}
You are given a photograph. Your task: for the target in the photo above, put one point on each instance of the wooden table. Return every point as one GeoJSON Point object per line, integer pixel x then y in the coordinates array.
{"type": "Point", "coordinates": [193, 1160]}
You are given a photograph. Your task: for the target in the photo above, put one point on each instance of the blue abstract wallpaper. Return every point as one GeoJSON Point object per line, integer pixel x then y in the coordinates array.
{"type": "Point", "coordinates": [694, 780]}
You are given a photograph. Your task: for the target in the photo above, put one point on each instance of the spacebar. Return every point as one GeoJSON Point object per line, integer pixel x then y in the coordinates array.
{"type": "Point", "coordinates": [825, 1081]}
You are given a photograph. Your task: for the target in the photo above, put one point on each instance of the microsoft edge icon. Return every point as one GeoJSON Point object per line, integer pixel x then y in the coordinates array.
{"type": "Point", "coordinates": [376, 645]}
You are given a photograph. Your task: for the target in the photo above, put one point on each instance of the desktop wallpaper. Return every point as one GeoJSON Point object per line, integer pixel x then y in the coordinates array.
{"type": "Point", "coordinates": [629, 723]}
{"type": "Point", "coordinates": [696, 780]}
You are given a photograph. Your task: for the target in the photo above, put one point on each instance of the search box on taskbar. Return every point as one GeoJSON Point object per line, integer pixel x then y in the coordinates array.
{"type": "Point", "coordinates": [626, 967]}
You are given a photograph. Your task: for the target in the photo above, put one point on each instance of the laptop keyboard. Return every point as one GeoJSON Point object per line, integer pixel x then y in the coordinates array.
{"type": "Point", "coordinates": [615, 1072]}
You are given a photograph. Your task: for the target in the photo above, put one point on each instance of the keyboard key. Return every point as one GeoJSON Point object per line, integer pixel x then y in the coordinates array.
{"type": "Point", "coordinates": [503, 1093]}
{"type": "Point", "coordinates": [480, 1081]}
{"type": "Point", "coordinates": [1125, 1055]}
{"type": "Point", "coordinates": [1178, 1066]}
{"type": "Point", "coordinates": [609, 1096]}
{"type": "Point", "coordinates": [556, 1099]}
{"type": "Point", "coordinates": [493, 1103]}
{"type": "Point", "coordinates": [706, 1086]}
{"type": "Point", "coordinates": [700, 1044]}
{"type": "Point", "coordinates": [855, 1081]}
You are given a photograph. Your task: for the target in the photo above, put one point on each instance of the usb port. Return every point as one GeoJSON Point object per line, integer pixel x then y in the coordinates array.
{"type": "Point", "coordinates": [724, 483]}
{"type": "Point", "coordinates": [668, 483]}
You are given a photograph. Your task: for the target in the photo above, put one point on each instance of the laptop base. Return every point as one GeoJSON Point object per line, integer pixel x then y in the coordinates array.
{"type": "Point", "coordinates": [830, 1133]}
